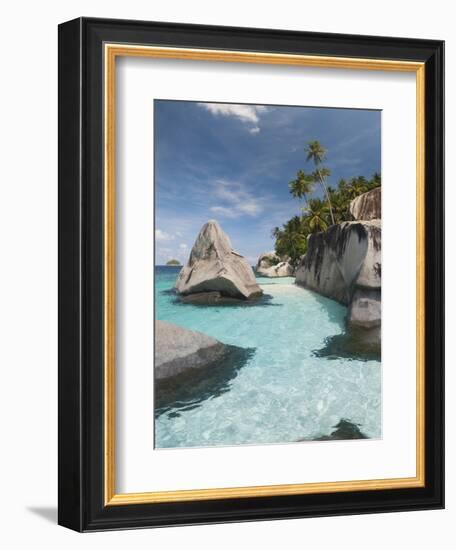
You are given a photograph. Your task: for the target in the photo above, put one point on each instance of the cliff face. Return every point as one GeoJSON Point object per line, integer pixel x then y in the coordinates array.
{"type": "Point", "coordinates": [214, 267]}
{"type": "Point", "coordinates": [344, 263]}
{"type": "Point", "coordinates": [367, 206]}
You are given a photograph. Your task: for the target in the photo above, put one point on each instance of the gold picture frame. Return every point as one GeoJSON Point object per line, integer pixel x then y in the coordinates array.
{"type": "Point", "coordinates": [111, 53]}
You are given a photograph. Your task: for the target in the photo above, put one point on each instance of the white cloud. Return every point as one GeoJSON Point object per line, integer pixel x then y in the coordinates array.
{"type": "Point", "coordinates": [183, 246]}
{"type": "Point", "coordinates": [164, 252]}
{"type": "Point", "coordinates": [244, 113]}
{"type": "Point", "coordinates": [251, 207]}
{"type": "Point", "coordinates": [239, 200]}
{"type": "Point", "coordinates": [227, 212]}
{"type": "Point", "coordinates": [163, 236]}
{"type": "Point", "coordinates": [231, 192]}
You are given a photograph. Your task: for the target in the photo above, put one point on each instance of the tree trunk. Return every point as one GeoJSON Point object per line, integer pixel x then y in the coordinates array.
{"type": "Point", "coordinates": [327, 196]}
{"type": "Point", "coordinates": [302, 209]}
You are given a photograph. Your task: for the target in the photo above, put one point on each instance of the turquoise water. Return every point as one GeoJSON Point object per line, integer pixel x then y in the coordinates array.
{"type": "Point", "coordinates": [283, 392]}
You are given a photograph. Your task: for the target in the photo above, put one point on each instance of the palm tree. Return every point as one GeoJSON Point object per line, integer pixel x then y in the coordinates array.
{"type": "Point", "coordinates": [340, 205]}
{"type": "Point", "coordinates": [301, 186]}
{"type": "Point", "coordinates": [316, 216]}
{"type": "Point", "coordinates": [275, 232]}
{"type": "Point", "coordinates": [358, 186]}
{"type": "Point", "coordinates": [317, 153]}
{"type": "Point", "coordinates": [376, 180]}
{"type": "Point", "coordinates": [291, 239]}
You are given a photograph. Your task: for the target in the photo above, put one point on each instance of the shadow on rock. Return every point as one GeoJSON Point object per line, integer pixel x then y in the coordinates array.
{"type": "Point", "coordinates": [215, 299]}
{"type": "Point", "coordinates": [187, 390]}
{"type": "Point", "coordinates": [169, 292]}
{"type": "Point", "coordinates": [355, 343]}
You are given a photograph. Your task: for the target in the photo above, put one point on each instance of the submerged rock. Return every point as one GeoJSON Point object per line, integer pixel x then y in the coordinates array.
{"type": "Point", "coordinates": [344, 430]}
{"type": "Point", "coordinates": [344, 263]}
{"type": "Point", "coordinates": [367, 206]}
{"type": "Point", "coordinates": [178, 349]}
{"type": "Point", "coordinates": [355, 342]}
{"type": "Point", "coordinates": [214, 266]}
{"type": "Point", "coordinates": [270, 265]}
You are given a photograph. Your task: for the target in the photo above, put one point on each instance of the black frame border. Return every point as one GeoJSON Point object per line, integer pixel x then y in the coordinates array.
{"type": "Point", "coordinates": [80, 172]}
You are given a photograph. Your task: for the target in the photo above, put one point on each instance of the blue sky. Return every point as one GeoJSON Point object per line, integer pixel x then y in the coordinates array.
{"type": "Point", "coordinates": [233, 163]}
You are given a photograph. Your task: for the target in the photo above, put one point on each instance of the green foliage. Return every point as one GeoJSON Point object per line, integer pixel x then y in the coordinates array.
{"type": "Point", "coordinates": [291, 240]}
{"type": "Point", "coordinates": [317, 153]}
{"type": "Point", "coordinates": [318, 214]}
{"type": "Point", "coordinates": [302, 185]}
{"type": "Point", "coordinates": [272, 260]}
{"type": "Point", "coordinates": [316, 218]}
{"type": "Point", "coordinates": [173, 262]}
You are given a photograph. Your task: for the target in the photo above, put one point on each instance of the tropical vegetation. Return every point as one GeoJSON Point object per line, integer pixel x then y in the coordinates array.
{"type": "Point", "coordinates": [317, 213]}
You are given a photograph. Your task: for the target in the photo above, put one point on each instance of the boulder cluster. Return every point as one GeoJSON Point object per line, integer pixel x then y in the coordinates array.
{"type": "Point", "coordinates": [271, 265]}
{"type": "Point", "coordinates": [345, 263]}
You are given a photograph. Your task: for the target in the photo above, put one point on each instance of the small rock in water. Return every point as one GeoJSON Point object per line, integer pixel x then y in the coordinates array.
{"type": "Point", "coordinates": [344, 430]}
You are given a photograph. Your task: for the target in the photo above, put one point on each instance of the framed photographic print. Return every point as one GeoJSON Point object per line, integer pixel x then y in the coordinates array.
{"type": "Point", "coordinates": [250, 274]}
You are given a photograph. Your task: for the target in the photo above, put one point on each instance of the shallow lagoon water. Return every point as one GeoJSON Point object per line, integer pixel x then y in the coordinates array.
{"type": "Point", "coordinates": [283, 392]}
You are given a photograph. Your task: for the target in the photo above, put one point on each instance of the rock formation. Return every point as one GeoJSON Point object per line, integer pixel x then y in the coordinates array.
{"type": "Point", "coordinates": [191, 367]}
{"type": "Point", "coordinates": [214, 267]}
{"type": "Point", "coordinates": [344, 263]}
{"type": "Point", "coordinates": [270, 265]}
{"type": "Point", "coordinates": [178, 349]}
{"type": "Point", "coordinates": [367, 206]}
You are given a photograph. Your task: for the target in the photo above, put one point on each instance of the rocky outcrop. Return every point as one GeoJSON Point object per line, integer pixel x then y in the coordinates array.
{"type": "Point", "coordinates": [191, 367]}
{"type": "Point", "coordinates": [344, 263]}
{"type": "Point", "coordinates": [178, 350]}
{"type": "Point", "coordinates": [270, 265]}
{"type": "Point", "coordinates": [214, 266]}
{"type": "Point", "coordinates": [367, 206]}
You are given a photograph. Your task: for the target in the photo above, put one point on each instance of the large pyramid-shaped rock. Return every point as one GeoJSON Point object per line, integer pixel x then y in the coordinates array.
{"type": "Point", "coordinates": [214, 266]}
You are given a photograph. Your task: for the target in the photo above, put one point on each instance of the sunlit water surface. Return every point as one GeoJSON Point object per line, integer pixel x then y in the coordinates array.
{"type": "Point", "coordinates": [283, 392]}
